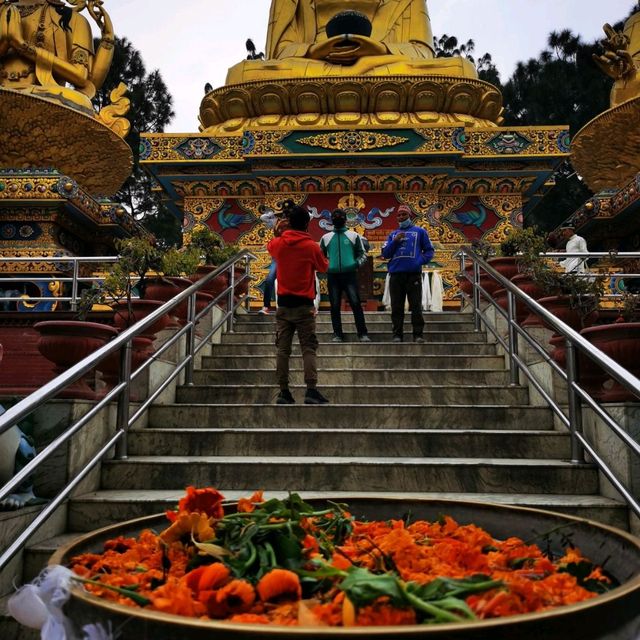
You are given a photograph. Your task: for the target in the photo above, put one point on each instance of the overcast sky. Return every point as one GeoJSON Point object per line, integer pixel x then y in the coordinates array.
{"type": "Point", "coordinates": [193, 42]}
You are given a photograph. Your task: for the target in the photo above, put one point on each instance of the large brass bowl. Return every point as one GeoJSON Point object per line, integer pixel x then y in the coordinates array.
{"type": "Point", "coordinates": [615, 615]}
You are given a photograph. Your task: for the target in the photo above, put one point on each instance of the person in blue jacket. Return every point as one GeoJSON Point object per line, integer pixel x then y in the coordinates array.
{"type": "Point", "coordinates": [407, 249]}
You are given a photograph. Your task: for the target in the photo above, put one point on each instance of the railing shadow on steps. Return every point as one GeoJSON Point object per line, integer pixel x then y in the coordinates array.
{"type": "Point", "coordinates": [120, 393]}
{"type": "Point", "coordinates": [577, 396]}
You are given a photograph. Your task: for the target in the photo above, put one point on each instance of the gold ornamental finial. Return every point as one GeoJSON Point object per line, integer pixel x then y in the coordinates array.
{"type": "Point", "coordinates": [46, 45]}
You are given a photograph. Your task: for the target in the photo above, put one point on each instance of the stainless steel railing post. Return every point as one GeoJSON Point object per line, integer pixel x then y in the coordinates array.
{"type": "Point", "coordinates": [476, 297]}
{"type": "Point", "coordinates": [74, 286]}
{"type": "Point", "coordinates": [124, 400]}
{"type": "Point", "coordinates": [232, 284]}
{"type": "Point", "coordinates": [513, 340]}
{"type": "Point", "coordinates": [191, 339]}
{"type": "Point", "coordinates": [575, 404]}
{"type": "Point", "coordinates": [247, 270]}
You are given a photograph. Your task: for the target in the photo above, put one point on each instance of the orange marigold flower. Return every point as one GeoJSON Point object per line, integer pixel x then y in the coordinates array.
{"type": "Point", "coordinates": [207, 578]}
{"type": "Point", "coordinates": [236, 597]}
{"type": "Point", "coordinates": [340, 562]}
{"type": "Point", "coordinates": [247, 505]}
{"type": "Point", "coordinates": [186, 523]}
{"type": "Point", "coordinates": [279, 584]}
{"type": "Point", "coordinates": [381, 613]}
{"type": "Point", "coordinates": [175, 597]}
{"type": "Point", "coordinates": [207, 501]}
{"type": "Point", "coordinates": [250, 618]}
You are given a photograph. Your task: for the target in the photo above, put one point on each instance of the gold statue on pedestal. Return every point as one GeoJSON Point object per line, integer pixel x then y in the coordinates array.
{"type": "Point", "coordinates": [350, 63]}
{"type": "Point", "coordinates": [606, 152]}
{"type": "Point", "coordinates": [45, 45]}
{"type": "Point", "coordinates": [400, 43]}
{"type": "Point", "coordinates": [49, 71]}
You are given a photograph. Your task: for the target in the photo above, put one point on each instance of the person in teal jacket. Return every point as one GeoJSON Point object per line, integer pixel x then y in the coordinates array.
{"type": "Point", "coordinates": [345, 251]}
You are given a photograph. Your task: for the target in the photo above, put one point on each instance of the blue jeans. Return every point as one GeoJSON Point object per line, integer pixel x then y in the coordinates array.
{"type": "Point", "coordinates": [347, 282]}
{"type": "Point", "coordinates": [269, 283]}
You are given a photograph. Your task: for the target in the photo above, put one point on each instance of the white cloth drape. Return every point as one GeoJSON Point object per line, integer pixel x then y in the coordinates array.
{"type": "Point", "coordinates": [426, 292]}
{"type": "Point", "coordinates": [437, 293]}
{"type": "Point", "coordinates": [432, 293]}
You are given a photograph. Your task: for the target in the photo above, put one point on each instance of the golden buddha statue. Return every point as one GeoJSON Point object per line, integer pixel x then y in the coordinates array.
{"type": "Point", "coordinates": [353, 63]}
{"type": "Point", "coordinates": [606, 152]}
{"type": "Point", "coordinates": [46, 45]}
{"type": "Point", "coordinates": [621, 60]}
{"type": "Point", "coordinates": [400, 43]}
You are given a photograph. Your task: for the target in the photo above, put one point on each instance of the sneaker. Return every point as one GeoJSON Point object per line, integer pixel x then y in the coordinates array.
{"type": "Point", "coordinates": [313, 396]}
{"type": "Point", "coordinates": [419, 340]}
{"type": "Point", "coordinates": [337, 339]}
{"type": "Point", "coordinates": [364, 338]}
{"type": "Point", "coordinates": [265, 311]}
{"type": "Point", "coordinates": [285, 397]}
{"type": "Point", "coordinates": [397, 339]}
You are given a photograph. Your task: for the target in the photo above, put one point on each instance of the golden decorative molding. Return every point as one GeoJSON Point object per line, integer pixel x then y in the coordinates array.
{"type": "Point", "coordinates": [351, 141]}
{"type": "Point", "coordinates": [351, 101]}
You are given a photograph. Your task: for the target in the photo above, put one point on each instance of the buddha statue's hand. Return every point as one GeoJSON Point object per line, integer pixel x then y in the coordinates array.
{"type": "Point", "coordinates": [12, 23]}
{"type": "Point", "coordinates": [346, 49]}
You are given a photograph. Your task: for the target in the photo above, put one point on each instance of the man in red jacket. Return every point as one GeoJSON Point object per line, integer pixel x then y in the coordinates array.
{"type": "Point", "coordinates": [298, 258]}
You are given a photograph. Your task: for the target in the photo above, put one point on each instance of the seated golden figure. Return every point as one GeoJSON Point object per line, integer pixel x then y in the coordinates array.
{"type": "Point", "coordinates": [46, 44]}
{"type": "Point", "coordinates": [400, 43]}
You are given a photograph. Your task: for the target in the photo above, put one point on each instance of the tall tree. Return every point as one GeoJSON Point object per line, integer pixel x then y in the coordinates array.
{"type": "Point", "coordinates": [151, 111]}
{"type": "Point", "coordinates": [562, 85]}
{"type": "Point", "coordinates": [448, 47]}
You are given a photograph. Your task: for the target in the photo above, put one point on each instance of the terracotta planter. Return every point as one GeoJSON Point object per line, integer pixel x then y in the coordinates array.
{"type": "Point", "coordinates": [166, 289]}
{"type": "Point", "coordinates": [242, 288]}
{"type": "Point", "coordinates": [139, 309]}
{"type": "Point", "coordinates": [67, 342]}
{"type": "Point", "coordinates": [506, 266]}
{"type": "Point", "coordinates": [621, 342]}
{"type": "Point", "coordinates": [141, 349]}
{"type": "Point", "coordinates": [611, 615]}
{"type": "Point", "coordinates": [216, 286]}
{"type": "Point", "coordinates": [560, 307]}
{"type": "Point", "coordinates": [526, 284]}
{"type": "Point", "coordinates": [202, 300]}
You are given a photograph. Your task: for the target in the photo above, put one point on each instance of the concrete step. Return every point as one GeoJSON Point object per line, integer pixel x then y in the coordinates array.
{"type": "Point", "coordinates": [379, 349]}
{"type": "Point", "coordinates": [371, 317]}
{"type": "Point", "coordinates": [412, 360]}
{"type": "Point", "coordinates": [334, 416]}
{"type": "Point", "coordinates": [102, 508]}
{"type": "Point", "coordinates": [284, 473]}
{"type": "Point", "coordinates": [325, 336]}
{"type": "Point", "coordinates": [360, 377]}
{"type": "Point", "coordinates": [351, 394]}
{"type": "Point", "coordinates": [444, 443]}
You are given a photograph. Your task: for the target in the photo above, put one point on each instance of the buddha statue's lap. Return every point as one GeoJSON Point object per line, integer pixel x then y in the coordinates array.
{"type": "Point", "coordinates": [298, 46]}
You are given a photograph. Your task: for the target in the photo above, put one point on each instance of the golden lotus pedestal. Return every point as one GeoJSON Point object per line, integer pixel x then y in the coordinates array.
{"type": "Point", "coordinates": [613, 616]}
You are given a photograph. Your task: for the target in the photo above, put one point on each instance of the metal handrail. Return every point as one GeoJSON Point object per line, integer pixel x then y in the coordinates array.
{"type": "Point", "coordinates": [575, 393]}
{"type": "Point", "coordinates": [123, 344]}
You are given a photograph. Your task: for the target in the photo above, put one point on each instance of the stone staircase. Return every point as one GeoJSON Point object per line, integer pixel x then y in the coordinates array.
{"type": "Point", "coordinates": [434, 419]}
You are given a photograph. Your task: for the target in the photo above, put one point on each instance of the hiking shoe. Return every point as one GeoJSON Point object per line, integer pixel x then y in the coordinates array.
{"type": "Point", "coordinates": [265, 311]}
{"type": "Point", "coordinates": [313, 396]}
{"type": "Point", "coordinates": [285, 397]}
{"type": "Point", "coordinates": [337, 339]}
{"type": "Point", "coordinates": [397, 339]}
{"type": "Point", "coordinates": [364, 338]}
{"type": "Point", "coordinates": [419, 340]}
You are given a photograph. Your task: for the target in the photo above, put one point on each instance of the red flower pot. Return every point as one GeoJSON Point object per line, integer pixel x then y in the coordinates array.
{"type": "Point", "coordinates": [67, 342]}
{"type": "Point", "coordinates": [141, 349]}
{"type": "Point", "coordinates": [621, 342]}
{"type": "Point", "coordinates": [216, 286]}
{"type": "Point", "coordinates": [124, 318]}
